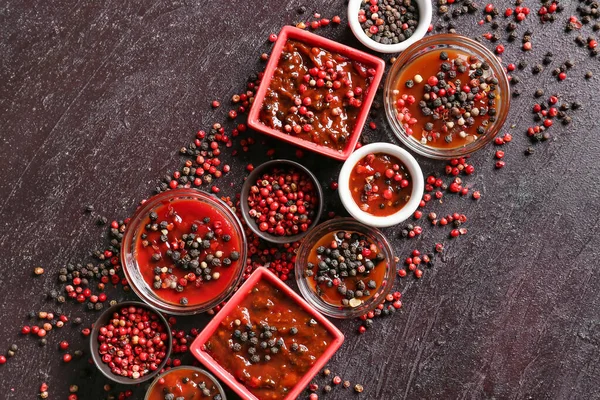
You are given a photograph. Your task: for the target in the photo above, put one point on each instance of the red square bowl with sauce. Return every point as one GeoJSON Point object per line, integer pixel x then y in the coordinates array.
{"type": "Point", "coordinates": [291, 340]}
{"type": "Point", "coordinates": [339, 82]}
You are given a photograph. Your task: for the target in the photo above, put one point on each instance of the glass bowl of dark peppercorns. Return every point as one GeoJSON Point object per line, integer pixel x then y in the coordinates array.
{"type": "Point", "coordinates": [345, 268]}
{"type": "Point", "coordinates": [446, 96]}
{"type": "Point", "coordinates": [184, 251]}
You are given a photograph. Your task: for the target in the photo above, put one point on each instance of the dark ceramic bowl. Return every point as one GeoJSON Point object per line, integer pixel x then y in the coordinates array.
{"type": "Point", "coordinates": [94, 345]}
{"type": "Point", "coordinates": [258, 171]}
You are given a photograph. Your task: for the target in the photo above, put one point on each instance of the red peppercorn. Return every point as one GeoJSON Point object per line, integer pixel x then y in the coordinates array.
{"type": "Point", "coordinates": [63, 345]}
{"type": "Point", "coordinates": [418, 273]}
{"type": "Point", "coordinates": [2, 359]}
{"type": "Point", "coordinates": [25, 330]}
{"type": "Point", "coordinates": [500, 49]}
{"type": "Point", "coordinates": [499, 154]}
{"type": "Point", "coordinates": [454, 233]}
{"type": "Point", "coordinates": [272, 37]}
{"type": "Point", "coordinates": [500, 164]}
{"type": "Point", "coordinates": [362, 329]}
{"type": "Point", "coordinates": [476, 195]}
{"type": "Point", "coordinates": [67, 358]}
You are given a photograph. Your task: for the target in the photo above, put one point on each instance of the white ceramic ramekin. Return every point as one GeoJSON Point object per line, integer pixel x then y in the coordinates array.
{"type": "Point", "coordinates": [425, 11]}
{"type": "Point", "coordinates": [413, 169]}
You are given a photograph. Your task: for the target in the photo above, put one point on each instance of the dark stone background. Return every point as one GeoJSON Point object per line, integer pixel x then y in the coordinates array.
{"type": "Point", "coordinates": [96, 98]}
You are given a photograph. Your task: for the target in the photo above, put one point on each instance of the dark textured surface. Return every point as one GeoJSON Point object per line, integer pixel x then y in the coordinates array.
{"type": "Point", "coordinates": [96, 97]}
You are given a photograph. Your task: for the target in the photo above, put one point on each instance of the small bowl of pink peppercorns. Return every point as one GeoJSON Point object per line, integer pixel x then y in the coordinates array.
{"type": "Point", "coordinates": [281, 201]}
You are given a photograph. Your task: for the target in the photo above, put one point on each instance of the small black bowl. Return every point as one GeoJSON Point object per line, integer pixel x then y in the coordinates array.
{"type": "Point", "coordinates": [251, 180]}
{"type": "Point", "coordinates": [94, 345]}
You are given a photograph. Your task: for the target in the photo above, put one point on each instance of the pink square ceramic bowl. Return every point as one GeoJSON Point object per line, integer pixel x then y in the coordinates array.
{"type": "Point", "coordinates": [290, 32]}
{"type": "Point", "coordinates": [198, 346]}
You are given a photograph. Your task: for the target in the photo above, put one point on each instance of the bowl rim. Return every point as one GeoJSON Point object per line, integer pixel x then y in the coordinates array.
{"type": "Point", "coordinates": [425, 15]}
{"type": "Point", "coordinates": [197, 347]}
{"type": "Point", "coordinates": [402, 214]}
{"type": "Point", "coordinates": [327, 308]}
{"type": "Point", "coordinates": [194, 368]}
{"type": "Point", "coordinates": [128, 240]}
{"type": "Point", "coordinates": [430, 43]}
{"type": "Point", "coordinates": [244, 208]}
{"type": "Point", "coordinates": [291, 32]}
{"type": "Point", "coordinates": [101, 321]}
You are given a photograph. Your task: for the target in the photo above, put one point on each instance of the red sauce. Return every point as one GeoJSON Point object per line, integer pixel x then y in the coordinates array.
{"type": "Point", "coordinates": [315, 95]}
{"type": "Point", "coordinates": [353, 249]}
{"type": "Point", "coordinates": [287, 342]}
{"type": "Point", "coordinates": [464, 106]}
{"type": "Point", "coordinates": [187, 383]}
{"type": "Point", "coordinates": [183, 278]}
{"type": "Point", "coordinates": [380, 184]}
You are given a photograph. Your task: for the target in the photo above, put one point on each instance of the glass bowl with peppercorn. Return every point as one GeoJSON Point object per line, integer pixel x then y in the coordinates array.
{"type": "Point", "coordinates": [186, 381]}
{"type": "Point", "coordinates": [446, 96]}
{"type": "Point", "coordinates": [389, 26]}
{"type": "Point", "coordinates": [184, 251]}
{"type": "Point", "coordinates": [281, 201]}
{"type": "Point", "coordinates": [381, 184]}
{"type": "Point", "coordinates": [345, 268]}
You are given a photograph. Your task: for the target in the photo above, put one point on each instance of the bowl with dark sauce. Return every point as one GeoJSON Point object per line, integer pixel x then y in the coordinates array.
{"type": "Point", "coordinates": [316, 93]}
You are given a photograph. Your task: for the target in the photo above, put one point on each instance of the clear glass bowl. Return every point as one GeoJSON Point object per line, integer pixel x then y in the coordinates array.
{"type": "Point", "coordinates": [132, 269]}
{"type": "Point", "coordinates": [347, 224]}
{"type": "Point", "coordinates": [433, 43]}
{"type": "Point", "coordinates": [196, 369]}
